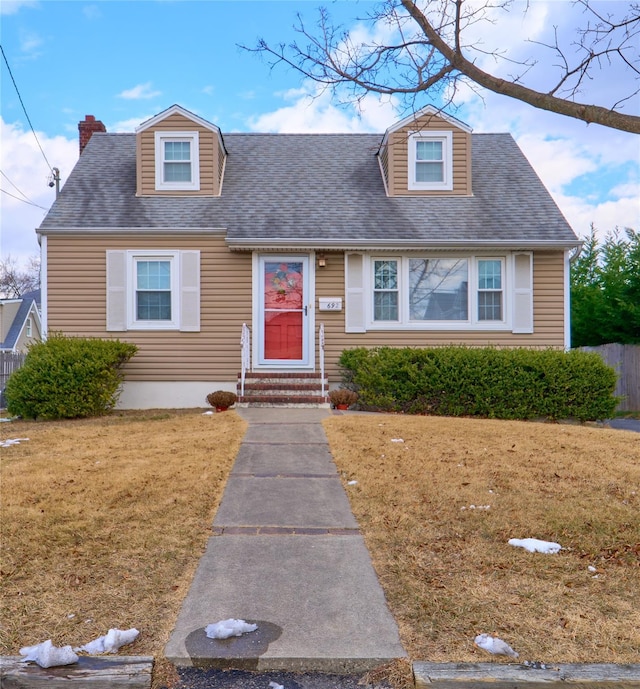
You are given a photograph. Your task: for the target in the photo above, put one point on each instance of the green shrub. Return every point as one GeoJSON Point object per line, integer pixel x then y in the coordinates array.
{"type": "Point", "coordinates": [485, 382]}
{"type": "Point", "coordinates": [68, 377]}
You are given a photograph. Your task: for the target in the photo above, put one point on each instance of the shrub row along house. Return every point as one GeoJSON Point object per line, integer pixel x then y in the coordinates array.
{"type": "Point", "coordinates": [177, 235]}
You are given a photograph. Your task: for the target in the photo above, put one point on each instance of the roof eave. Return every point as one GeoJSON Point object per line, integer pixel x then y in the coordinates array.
{"type": "Point", "coordinates": [395, 245]}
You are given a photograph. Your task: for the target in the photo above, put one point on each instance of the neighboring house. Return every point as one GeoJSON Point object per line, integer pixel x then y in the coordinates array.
{"type": "Point", "coordinates": [20, 323]}
{"type": "Point", "coordinates": [175, 236]}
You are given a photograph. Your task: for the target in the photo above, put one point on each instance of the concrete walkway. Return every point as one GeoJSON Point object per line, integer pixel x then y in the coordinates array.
{"type": "Point", "coordinates": [286, 553]}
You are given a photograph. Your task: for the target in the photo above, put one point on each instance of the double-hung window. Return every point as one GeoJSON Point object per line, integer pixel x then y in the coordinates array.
{"type": "Point", "coordinates": [153, 293]}
{"type": "Point", "coordinates": [431, 161]}
{"type": "Point", "coordinates": [177, 161]}
{"type": "Point", "coordinates": [385, 290]}
{"type": "Point", "coordinates": [490, 289]}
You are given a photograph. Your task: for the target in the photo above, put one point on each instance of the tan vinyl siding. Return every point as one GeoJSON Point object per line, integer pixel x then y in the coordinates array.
{"type": "Point", "coordinates": [77, 266]}
{"type": "Point", "coordinates": [548, 281]}
{"type": "Point", "coordinates": [397, 145]}
{"type": "Point", "coordinates": [210, 157]}
{"type": "Point", "coordinates": [8, 313]}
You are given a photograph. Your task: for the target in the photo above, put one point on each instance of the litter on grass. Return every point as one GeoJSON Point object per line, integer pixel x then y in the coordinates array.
{"type": "Point", "coordinates": [495, 646]}
{"type": "Point", "coordinates": [110, 642]}
{"type": "Point", "coordinates": [352, 483]}
{"type": "Point", "coordinates": [397, 440]}
{"type": "Point", "coordinates": [533, 545]}
{"type": "Point", "coordinates": [48, 655]}
{"type": "Point", "coordinates": [275, 685]}
{"type": "Point", "coordinates": [12, 441]}
{"type": "Point", "coordinates": [228, 628]}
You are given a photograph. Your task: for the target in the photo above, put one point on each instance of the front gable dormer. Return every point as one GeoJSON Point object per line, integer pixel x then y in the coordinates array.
{"type": "Point", "coordinates": [427, 154]}
{"type": "Point", "coordinates": [179, 154]}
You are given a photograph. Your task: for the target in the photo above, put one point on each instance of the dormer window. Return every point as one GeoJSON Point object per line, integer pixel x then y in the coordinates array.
{"type": "Point", "coordinates": [431, 161]}
{"type": "Point", "coordinates": [177, 161]}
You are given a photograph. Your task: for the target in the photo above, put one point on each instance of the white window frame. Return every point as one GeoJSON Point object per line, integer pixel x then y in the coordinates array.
{"type": "Point", "coordinates": [398, 289]}
{"type": "Point", "coordinates": [28, 327]}
{"type": "Point", "coordinates": [135, 257]}
{"type": "Point", "coordinates": [471, 323]}
{"type": "Point", "coordinates": [166, 137]}
{"type": "Point", "coordinates": [502, 289]}
{"type": "Point", "coordinates": [446, 137]}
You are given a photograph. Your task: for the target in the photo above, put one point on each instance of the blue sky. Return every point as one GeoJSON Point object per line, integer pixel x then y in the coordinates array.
{"type": "Point", "coordinates": [127, 61]}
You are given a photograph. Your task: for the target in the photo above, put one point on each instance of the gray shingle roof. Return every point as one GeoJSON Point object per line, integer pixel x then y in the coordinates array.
{"type": "Point", "coordinates": [315, 189]}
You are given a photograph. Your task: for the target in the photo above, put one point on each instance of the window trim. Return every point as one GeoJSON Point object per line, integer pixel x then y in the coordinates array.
{"type": "Point", "coordinates": [167, 137]}
{"type": "Point", "coordinates": [133, 258]}
{"type": "Point", "coordinates": [478, 289]}
{"type": "Point", "coordinates": [446, 137]}
{"type": "Point", "coordinates": [471, 323]}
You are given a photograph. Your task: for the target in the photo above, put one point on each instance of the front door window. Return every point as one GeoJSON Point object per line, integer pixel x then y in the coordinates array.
{"type": "Point", "coordinates": [284, 310]}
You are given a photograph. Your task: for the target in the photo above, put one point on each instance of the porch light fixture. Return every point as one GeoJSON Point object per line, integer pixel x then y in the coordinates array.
{"type": "Point", "coordinates": [322, 260]}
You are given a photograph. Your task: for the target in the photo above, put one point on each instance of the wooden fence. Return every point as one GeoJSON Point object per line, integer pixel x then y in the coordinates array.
{"type": "Point", "coordinates": [625, 359]}
{"type": "Point", "coordinates": [9, 362]}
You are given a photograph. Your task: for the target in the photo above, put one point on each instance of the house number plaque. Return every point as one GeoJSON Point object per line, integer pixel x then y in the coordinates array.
{"type": "Point", "coordinates": [330, 303]}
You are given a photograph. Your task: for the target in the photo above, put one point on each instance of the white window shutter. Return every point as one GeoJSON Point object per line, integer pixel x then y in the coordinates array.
{"type": "Point", "coordinates": [116, 290]}
{"type": "Point", "coordinates": [354, 294]}
{"type": "Point", "coordinates": [190, 291]}
{"type": "Point", "coordinates": [523, 293]}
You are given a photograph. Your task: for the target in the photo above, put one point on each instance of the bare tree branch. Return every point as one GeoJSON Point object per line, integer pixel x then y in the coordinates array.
{"type": "Point", "coordinates": [436, 52]}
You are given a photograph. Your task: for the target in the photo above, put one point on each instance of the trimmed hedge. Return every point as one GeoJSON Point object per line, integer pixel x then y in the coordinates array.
{"type": "Point", "coordinates": [68, 377]}
{"type": "Point", "coordinates": [484, 382]}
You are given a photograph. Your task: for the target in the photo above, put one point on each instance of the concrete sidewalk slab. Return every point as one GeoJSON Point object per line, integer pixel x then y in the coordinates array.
{"type": "Point", "coordinates": [316, 597]}
{"type": "Point", "coordinates": [280, 415]}
{"type": "Point", "coordinates": [284, 460]}
{"type": "Point", "coordinates": [288, 556]}
{"type": "Point", "coordinates": [294, 433]}
{"type": "Point", "coordinates": [302, 502]}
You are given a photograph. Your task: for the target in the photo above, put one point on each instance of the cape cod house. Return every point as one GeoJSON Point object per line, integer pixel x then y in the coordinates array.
{"type": "Point", "coordinates": [222, 255]}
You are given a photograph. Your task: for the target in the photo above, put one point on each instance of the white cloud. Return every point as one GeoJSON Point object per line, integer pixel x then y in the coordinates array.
{"type": "Point", "coordinates": [139, 92]}
{"type": "Point", "coordinates": [14, 6]}
{"type": "Point", "coordinates": [313, 110]}
{"type": "Point", "coordinates": [92, 12]}
{"type": "Point", "coordinates": [29, 42]}
{"type": "Point", "coordinates": [23, 163]}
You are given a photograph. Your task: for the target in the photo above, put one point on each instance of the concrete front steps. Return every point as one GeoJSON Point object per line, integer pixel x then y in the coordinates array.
{"type": "Point", "coordinates": [278, 389]}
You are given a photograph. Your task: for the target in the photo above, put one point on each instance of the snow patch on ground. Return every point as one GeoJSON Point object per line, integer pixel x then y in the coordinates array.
{"type": "Point", "coordinates": [228, 628]}
{"type": "Point", "coordinates": [110, 642]}
{"type": "Point", "coordinates": [12, 441]}
{"type": "Point", "coordinates": [533, 545]}
{"type": "Point", "coordinates": [48, 655]}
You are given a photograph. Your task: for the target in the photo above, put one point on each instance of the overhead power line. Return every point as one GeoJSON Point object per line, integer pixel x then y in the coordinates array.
{"type": "Point", "coordinates": [15, 187]}
{"type": "Point", "coordinates": [29, 203]}
{"type": "Point", "coordinates": [24, 109]}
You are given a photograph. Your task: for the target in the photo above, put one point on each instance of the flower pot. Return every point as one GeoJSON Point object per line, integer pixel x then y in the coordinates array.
{"type": "Point", "coordinates": [222, 408]}
{"type": "Point", "coordinates": [342, 406]}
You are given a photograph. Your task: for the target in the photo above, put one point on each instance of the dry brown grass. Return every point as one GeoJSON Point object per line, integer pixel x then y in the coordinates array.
{"type": "Point", "coordinates": [104, 521]}
{"type": "Point", "coordinates": [447, 570]}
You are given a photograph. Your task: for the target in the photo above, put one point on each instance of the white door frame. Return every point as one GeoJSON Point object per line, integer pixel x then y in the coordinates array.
{"type": "Point", "coordinates": [308, 322]}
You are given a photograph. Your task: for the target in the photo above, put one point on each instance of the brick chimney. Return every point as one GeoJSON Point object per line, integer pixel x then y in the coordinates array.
{"type": "Point", "coordinates": [87, 128]}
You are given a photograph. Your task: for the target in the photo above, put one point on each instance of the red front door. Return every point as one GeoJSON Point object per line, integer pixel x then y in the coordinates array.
{"type": "Point", "coordinates": [284, 310]}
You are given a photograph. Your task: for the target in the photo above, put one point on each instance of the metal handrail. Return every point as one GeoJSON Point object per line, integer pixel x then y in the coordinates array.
{"type": "Point", "coordinates": [321, 354]}
{"type": "Point", "coordinates": [245, 344]}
